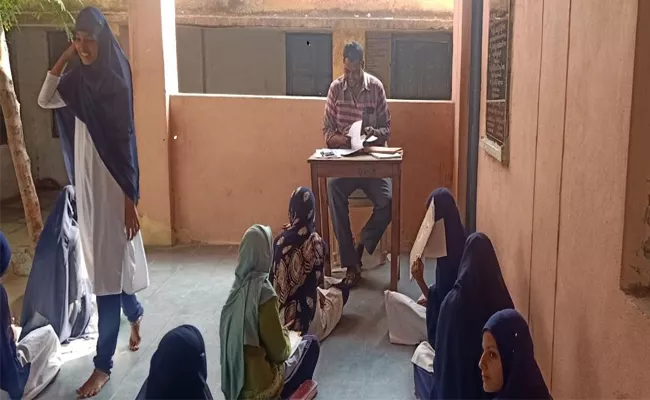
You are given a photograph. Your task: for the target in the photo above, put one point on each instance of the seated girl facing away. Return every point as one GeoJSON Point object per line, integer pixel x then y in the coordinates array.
{"type": "Point", "coordinates": [508, 365]}
{"type": "Point", "coordinates": [299, 255]}
{"type": "Point", "coordinates": [478, 293]}
{"type": "Point", "coordinates": [257, 358]}
{"type": "Point", "coordinates": [410, 323]}
{"type": "Point", "coordinates": [26, 367]}
{"type": "Point", "coordinates": [179, 369]}
{"type": "Point", "coordinates": [59, 291]}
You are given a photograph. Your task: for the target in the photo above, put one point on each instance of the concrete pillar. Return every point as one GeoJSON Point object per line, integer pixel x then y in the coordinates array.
{"type": "Point", "coordinates": [460, 96]}
{"type": "Point", "coordinates": [152, 43]}
{"type": "Point", "coordinates": [339, 38]}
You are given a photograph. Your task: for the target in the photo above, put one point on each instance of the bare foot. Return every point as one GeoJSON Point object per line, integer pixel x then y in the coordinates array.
{"type": "Point", "coordinates": [135, 339]}
{"type": "Point", "coordinates": [93, 385]}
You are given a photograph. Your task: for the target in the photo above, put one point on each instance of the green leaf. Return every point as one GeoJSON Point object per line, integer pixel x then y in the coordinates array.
{"type": "Point", "coordinates": [56, 10]}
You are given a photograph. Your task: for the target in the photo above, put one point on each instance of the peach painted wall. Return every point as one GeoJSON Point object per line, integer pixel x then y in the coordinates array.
{"type": "Point", "coordinates": [460, 96]}
{"type": "Point", "coordinates": [236, 160]}
{"type": "Point", "coordinates": [556, 213]}
{"type": "Point", "coordinates": [153, 61]}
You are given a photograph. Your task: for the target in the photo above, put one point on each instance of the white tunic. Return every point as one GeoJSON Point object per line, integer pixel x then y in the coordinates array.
{"type": "Point", "coordinates": [114, 264]}
{"type": "Point", "coordinates": [40, 349]}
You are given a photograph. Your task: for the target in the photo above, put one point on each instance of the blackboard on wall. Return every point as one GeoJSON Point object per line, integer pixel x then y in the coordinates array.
{"type": "Point", "coordinates": [498, 71]}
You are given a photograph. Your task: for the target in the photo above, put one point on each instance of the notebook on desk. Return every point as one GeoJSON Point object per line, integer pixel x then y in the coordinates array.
{"type": "Point", "coordinates": [384, 150]}
{"type": "Point", "coordinates": [385, 156]}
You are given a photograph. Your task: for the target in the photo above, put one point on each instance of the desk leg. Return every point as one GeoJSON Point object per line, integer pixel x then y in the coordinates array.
{"type": "Point", "coordinates": [325, 227]}
{"type": "Point", "coordinates": [395, 230]}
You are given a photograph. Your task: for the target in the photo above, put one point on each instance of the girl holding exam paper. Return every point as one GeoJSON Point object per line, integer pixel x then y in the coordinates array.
{"type": "Point", "coordinates": [410, 323]}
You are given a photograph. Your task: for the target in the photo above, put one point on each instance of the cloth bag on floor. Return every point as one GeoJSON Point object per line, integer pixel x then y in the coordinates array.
{"type": "Point", "coordinates": [407, 320]}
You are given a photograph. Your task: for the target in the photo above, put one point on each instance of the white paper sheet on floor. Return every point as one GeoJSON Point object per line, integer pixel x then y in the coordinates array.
{"type": "Point", "coordinates": [423, 356]}
{"type": "Point", "coordinates": [407, 320]}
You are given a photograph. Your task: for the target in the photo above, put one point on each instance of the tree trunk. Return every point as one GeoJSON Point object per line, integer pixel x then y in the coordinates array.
{"type": "Point", "coordinates": [16, 141]}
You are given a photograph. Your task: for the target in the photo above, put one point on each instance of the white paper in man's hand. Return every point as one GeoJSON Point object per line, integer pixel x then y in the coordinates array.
{"type": "Point", "coordinates": [355, 135]}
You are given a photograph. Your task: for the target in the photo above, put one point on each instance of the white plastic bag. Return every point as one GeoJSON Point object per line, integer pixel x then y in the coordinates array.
{"type": "Point", "coordinates": [135, 274]}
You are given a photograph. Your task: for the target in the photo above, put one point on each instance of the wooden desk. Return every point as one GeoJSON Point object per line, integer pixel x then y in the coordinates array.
{"type": "Point", "coordinates": [364, 166]}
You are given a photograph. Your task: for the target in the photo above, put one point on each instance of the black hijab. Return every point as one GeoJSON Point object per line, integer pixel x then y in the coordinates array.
{"type": "Point", "coordinates": [446, 267]}
{"type": "Point", "coordinates": [479, 292]}
{"type": "Point", "coordinates": [178, 368]}
{"type": "Point", "coordinates": [13, 376]}
{"type": "Point", "coordinates": [522, 378]}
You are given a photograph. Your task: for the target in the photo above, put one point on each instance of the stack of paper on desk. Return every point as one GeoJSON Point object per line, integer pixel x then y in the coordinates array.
{"type": "Point", "coordinates": [385, 156]}
{"type": "Point", "coordinates": [385, 153]}
{"type": "Point", "coordinates": [384, 150]}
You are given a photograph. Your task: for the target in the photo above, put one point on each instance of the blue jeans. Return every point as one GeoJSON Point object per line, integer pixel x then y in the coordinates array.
{"type": "Point", "coordinates": [108, 308]}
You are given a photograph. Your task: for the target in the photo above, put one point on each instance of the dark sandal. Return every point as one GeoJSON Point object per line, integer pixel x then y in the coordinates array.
{"type": "Point", "coordinates": [352, 280]}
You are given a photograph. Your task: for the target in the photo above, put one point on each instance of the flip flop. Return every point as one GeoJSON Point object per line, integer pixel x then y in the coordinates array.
{"type": "Point", "coordinates": [351, 281]}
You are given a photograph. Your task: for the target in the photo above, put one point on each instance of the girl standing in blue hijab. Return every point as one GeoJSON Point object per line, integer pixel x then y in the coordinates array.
{"type": "Point", "coordinates": [99, 93]}
{"type": "Point", "coordinates": [508, 365]}
{"type": "Point", "coordinates": [478, 293]}
{"type": "Point", "coordinates": [28, 366]}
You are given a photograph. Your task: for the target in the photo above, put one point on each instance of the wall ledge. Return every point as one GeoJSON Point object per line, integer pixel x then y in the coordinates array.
{"type": "Point", "coordinates": [305, 98]}
{"type": "Point", "coordinates": [442, 23]}
{"type": "Point", "coordinates": [497, 151]}
{"type": "Point", "coordinates": [640, 303]}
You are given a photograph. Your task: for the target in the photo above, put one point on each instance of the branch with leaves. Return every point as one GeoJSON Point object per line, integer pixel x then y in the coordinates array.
{"type": "Point", "coordinates": [10, 13]}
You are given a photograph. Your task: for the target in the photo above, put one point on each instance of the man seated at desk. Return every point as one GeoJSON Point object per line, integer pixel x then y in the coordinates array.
{"type": "Point", "coordinates": [357, 96]}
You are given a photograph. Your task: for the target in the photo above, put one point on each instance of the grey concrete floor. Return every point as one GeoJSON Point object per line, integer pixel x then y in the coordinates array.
{"type": "Point", "coordinates": [189, 285]}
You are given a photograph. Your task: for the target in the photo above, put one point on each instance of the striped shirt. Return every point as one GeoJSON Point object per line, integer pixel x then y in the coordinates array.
{"type": "Point", "coordinates": [342, 109]}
